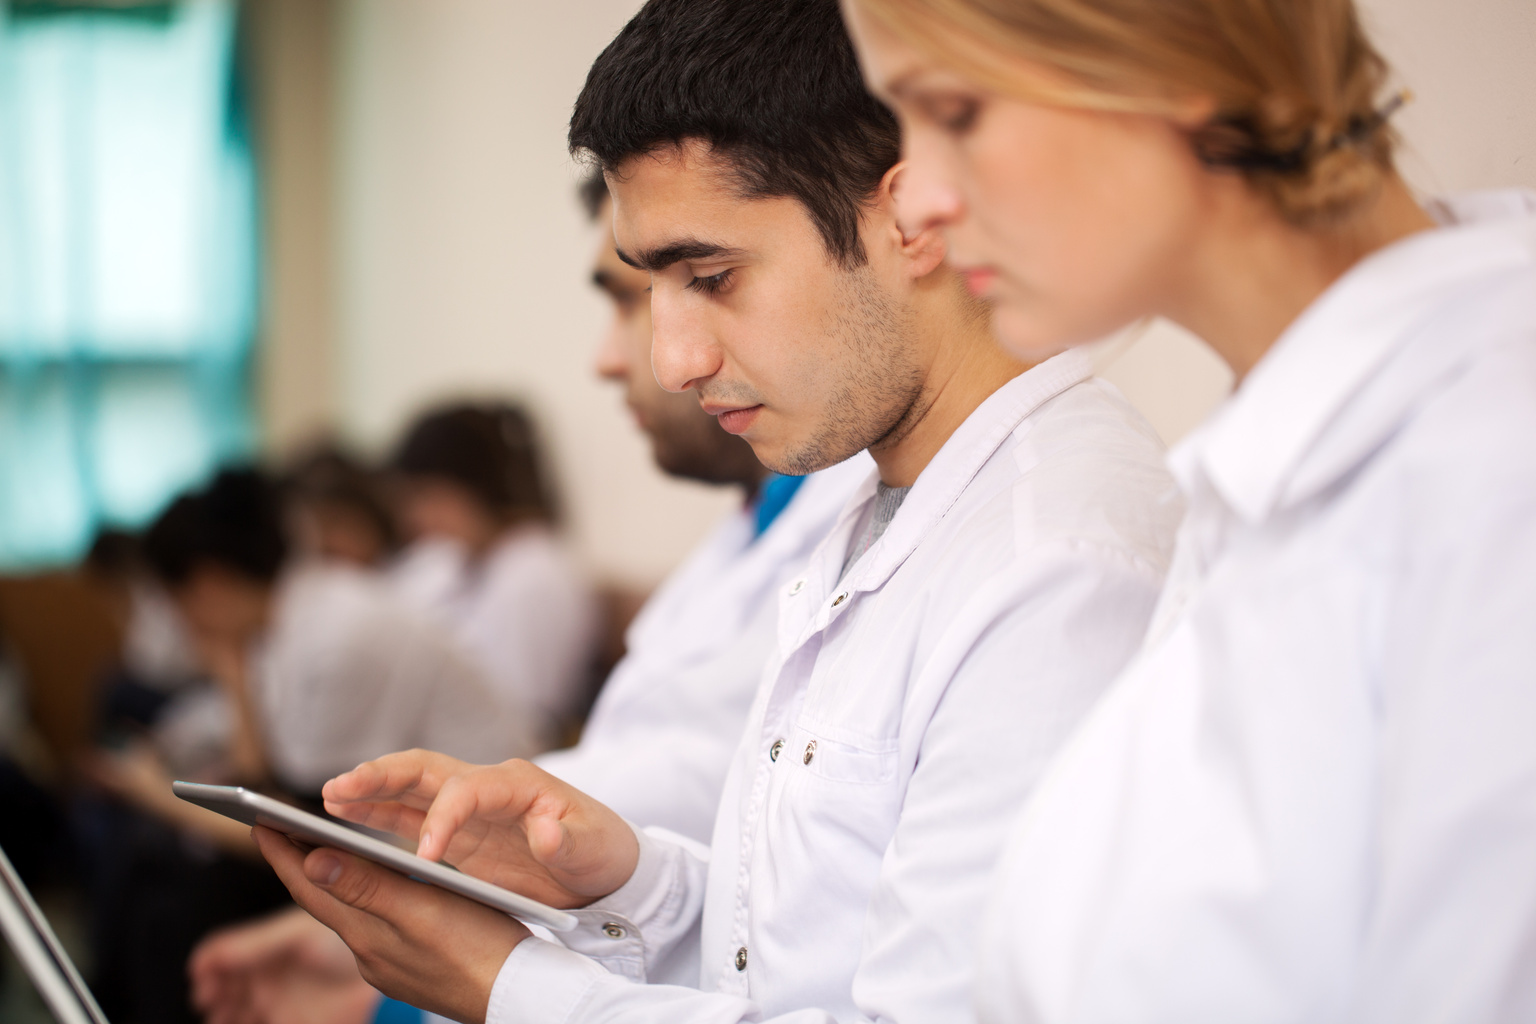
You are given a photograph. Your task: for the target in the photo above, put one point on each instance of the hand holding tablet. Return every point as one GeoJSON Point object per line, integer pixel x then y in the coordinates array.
{"type": "Point", "coordinates": [313, 830]}
{"type": "Point", "coordinates": [512, 824]}
{"type": "Point", "coordinates": [523, 842]}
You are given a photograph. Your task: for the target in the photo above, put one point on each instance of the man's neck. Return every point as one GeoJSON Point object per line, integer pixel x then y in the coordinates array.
{"type": "Point", "coordinates": [967, 368]}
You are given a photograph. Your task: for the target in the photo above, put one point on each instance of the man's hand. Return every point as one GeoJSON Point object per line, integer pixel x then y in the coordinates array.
{"type": "Point", "coordinates": [411, 941]}
{"type": "Point", "coordinates": [512, 824]}
{"type": "Point", "coordinates": [287, 968]}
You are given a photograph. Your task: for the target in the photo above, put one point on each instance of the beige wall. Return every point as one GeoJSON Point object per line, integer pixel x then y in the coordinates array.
{"type": "Point", "coordinates": [465, 252]}
{"type": "Point", "coordinates": [292, 49]}
{"type": "Point", "coordinates": [461, 254]}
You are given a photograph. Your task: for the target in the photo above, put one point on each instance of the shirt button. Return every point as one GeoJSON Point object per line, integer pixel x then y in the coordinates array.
{"type": "Point", "coordinates": [810, 751]}
{"type": "Point", "coordinates": [796, 587]}
{"type": "Point", "coordinates": [840, 599]}
{"type": "Point", "coordinates": [614, 931]}
{"type": "Point", "coordinates": [741, 958]}
{"type": "Point", "coordinates": [773, 751]}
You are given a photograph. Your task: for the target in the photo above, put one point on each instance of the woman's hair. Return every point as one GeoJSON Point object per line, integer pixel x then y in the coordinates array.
{"type": "Point", "coordinates": [491, 450]}
{"type": "Point", "coordinates": [1295, 82]}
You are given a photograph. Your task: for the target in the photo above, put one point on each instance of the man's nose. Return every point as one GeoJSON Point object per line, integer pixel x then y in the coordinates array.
{"type": "Point", "coordinates": [682, 349]}
{"type": "Point", "coordinates": [611, 361]}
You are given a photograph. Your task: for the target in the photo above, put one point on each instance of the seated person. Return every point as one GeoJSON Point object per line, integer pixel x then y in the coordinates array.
{"type": "Point", "coordinates": [339, 509]}
{"type": "Point", "coordinates": [659, 741]}
{"type": "Point", "coordinates": [485, 559]}
{"type": "Point", "coordinates": [978, 594]}
{"type": "Point", "coordinates": [322, 664]}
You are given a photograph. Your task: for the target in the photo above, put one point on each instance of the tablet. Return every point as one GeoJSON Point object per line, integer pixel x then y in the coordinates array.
{"type": "Point", "coordinates": [40, 953]}
{"type": "Point", "coordinates": [254, 809]}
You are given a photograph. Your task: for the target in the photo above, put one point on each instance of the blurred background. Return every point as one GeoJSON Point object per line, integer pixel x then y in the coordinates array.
{"type": "Point", "coordinates": [231, 229]}
{"type": "Point", "coordinates": [235, 231]}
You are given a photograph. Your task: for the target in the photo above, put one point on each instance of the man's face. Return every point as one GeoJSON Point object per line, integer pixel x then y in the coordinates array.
{"type": "Point", "coordinates": [807, 360]}
{"type": "Point", "coordinates": [220, 607]}
{"type": "Point", "coordinates": [685, 440]}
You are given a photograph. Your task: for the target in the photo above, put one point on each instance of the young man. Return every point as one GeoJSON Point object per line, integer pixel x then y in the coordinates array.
{"type": "Point", "coordinates": [659, 740]}
{"type": "Point", "coordinates": [970, 605]}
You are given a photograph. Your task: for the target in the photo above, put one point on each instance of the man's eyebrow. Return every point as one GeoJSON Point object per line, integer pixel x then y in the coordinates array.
{"type": "Point", "coordinates": [663, 256]}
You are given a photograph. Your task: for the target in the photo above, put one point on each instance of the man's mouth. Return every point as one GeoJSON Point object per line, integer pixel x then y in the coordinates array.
{"type": "Point", "coordinates": [734, 419]}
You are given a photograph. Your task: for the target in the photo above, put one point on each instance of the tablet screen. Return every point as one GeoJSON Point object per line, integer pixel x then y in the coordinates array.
{"type": "Point", "coordinates": [255, 809]}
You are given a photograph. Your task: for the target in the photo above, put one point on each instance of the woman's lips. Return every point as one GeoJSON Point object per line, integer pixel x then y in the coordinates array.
{"type": "Point", "coordinates": [738, 421]}
{"type": "Point", "coordinates": [979, 281]}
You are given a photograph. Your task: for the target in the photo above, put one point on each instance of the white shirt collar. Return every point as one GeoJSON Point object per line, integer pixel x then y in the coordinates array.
{"type": "Point", "coordinates": [1296, 424]}
{"type": "Point", "coordinates": [946, 477]}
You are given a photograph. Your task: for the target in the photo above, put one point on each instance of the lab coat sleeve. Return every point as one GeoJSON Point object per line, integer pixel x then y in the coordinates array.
{"type": "Point", "coordinates": [638, 925]}
{"type": "Point", "coordinates": [1016, 671]}
{"type": "Point", "coordinates": [1456, 918]}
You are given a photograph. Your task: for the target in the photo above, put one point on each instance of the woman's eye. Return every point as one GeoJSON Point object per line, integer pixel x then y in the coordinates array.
{"type": "Point", "coordinates": [711, 284]}
{"type": "Point", "coordinates": [956, 116]}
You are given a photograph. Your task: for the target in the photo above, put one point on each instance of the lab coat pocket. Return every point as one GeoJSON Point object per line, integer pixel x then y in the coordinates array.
{"type": "Point", "coordinates": [837, 796]}
{"type": "Point", "coordinates": [837, 760]}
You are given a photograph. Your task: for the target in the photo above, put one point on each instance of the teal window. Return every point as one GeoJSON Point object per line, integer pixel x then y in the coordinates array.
{"type": "Point", "coordinates": [128, 265]}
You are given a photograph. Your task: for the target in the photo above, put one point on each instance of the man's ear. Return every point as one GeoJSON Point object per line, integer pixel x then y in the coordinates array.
{"type": "Point", "coordinates": [923, 250]}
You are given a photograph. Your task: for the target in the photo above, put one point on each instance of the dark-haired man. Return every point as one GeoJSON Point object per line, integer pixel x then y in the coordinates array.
{"type": "Point", "coordinates": [971, 604]}
{"type": "Point", "coordinates": [659, 740]}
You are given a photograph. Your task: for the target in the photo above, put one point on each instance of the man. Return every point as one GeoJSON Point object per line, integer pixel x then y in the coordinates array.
{"type": "Point", "coordinates": [975, 598]}
{"type": "Point", "coordinates": [659, 740]}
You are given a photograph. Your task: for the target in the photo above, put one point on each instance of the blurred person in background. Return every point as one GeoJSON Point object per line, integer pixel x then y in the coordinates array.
{"type": "Point", "coordinates": [321, 662]}
{"type": "Point", "coordinates": [319, 665]}
{"type": "Point", "coordinates": [486, 560]}
{"type": "Point", "coordinates": [338, 508]}
{"type": "Point", "coordinates": [659, 740]}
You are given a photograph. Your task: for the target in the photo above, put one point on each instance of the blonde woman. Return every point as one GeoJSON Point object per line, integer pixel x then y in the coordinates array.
{"type": "Point", "coordinates": [1313, 795]}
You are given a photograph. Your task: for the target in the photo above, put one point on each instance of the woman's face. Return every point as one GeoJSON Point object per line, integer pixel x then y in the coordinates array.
{"type": "Point", "coordinates": [1073, 223]}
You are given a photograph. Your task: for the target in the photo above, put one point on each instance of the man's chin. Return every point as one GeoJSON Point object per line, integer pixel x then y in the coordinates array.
{"type": "Point", "coordinates": [795, 459]}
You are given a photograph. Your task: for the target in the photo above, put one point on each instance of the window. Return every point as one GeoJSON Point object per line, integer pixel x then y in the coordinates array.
{"type": "Point", "coordinates": [127, 265]}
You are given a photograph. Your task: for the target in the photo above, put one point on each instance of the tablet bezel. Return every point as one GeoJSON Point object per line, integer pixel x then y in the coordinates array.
{"type": "Point", "coordinates": [252, 808]}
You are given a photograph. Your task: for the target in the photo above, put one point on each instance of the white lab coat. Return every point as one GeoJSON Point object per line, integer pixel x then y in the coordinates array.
{"type": "Point", "coordinates": [902, 721]}
{"type": "Point", "coordinates": [346, 673]}
{"type": "Point", "coordinates": [660, 738]}
{"type": "Point", "coordinates": [1312, 798]}
{"type": "Point", "coordinates": [523, 613]}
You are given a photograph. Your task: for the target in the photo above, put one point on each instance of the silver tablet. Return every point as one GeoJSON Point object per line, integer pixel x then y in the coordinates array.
{"type": "Point", "coordinates": [255, 809]}
{"type": "Point", "coordinates": [40, 953]}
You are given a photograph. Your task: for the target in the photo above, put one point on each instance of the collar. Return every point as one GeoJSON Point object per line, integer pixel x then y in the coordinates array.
{"type": "Point", "coordinates": [1342, 377]}
{"type": "Point", "coordinates": [944, 479]}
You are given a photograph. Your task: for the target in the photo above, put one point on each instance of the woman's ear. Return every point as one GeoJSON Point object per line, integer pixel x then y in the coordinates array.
{"type": "Point", "coordinates": [922, 249]}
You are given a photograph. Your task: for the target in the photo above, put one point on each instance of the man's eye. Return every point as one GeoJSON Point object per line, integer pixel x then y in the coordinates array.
{"type": "Point", "coordinates": [711, 284]}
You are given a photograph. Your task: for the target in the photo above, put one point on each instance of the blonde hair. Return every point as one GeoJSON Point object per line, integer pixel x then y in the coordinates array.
{"type": "Point", "coordinates": [1295, 82]}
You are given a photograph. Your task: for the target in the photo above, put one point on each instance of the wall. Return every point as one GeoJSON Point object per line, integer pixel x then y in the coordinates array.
{"type": "Point", "coordinates": [292, 43]}
{"type": "Point", "coordinates": [461, 254]}
{"type": "Point", "coordinates": [465, 252]}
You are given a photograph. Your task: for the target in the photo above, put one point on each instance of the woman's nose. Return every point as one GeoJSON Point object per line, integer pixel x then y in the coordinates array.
{"type": "Point", "coordinates": [925, 194]}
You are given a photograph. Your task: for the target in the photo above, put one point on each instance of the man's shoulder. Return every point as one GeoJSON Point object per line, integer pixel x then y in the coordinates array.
{"type": "Point", "coordinates": [1085, 468]}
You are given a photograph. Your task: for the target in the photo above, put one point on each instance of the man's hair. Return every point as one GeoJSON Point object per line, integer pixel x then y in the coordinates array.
{"type": "Point", "coordinates": [593, 192]}
{"type": "Point", "coordinates": [771, 86]}
{"type": "Point", "coordinates": [235, 523]}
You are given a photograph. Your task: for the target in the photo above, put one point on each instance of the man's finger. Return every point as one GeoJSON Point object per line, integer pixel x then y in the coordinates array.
{"type": "Point", "coordinates": [287, 860]}
{"type": "Point", "coordinates": [391, 817]}
{"type": "Point", "coordinates": [412, 777]}
{"type": "Point", "coordinates": [501, 790]}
